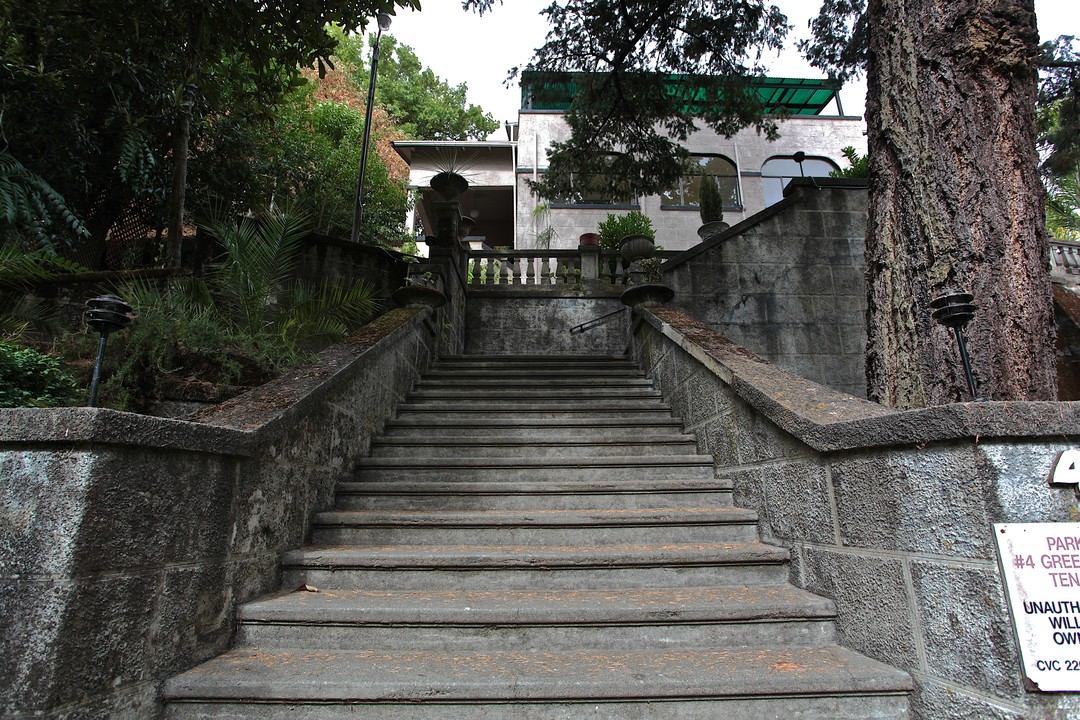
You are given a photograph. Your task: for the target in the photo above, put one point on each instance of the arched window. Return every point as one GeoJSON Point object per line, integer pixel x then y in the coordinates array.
{"type": "Point", "coordinates": [778, 171]}
{"type": "Point", "coordinates": [686, 194]}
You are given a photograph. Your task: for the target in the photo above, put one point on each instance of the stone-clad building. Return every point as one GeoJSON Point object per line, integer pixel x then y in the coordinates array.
{"type": "Point", "coordinates": [751, 170]}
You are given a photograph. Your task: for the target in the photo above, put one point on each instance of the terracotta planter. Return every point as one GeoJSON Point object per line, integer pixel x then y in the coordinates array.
{"type": "Point", "coordinates": [419, 296]}
{"type": "Point", "coordinates": [589, 240]}
{"type": "Point", "coordinates": [449, 185]}
{"type": "Point", "coordinates": [637, 247]}
{"type": "Point", "coordinates": [647, 295]}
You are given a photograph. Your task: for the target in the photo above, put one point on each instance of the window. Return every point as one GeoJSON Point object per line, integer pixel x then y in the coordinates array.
{"type": "Point", "coordinates": [596, 190]}
{"type": "Point", "coordinates": [778, 171]}
{"type": "Point", "coordinates": [686, 194]}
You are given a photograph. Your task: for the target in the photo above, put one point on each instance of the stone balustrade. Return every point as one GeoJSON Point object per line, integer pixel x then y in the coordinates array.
{"type": "Point", "coordinates": [1064, 260]}
{"type": "Point", "coordinates": [533, 267]}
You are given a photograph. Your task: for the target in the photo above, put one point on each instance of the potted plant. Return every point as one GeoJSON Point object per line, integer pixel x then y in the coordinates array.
{"type": "Point", "coordinates": [650, 290]}
{"type": "Point", "coordinates": [632, 233]}
{"type": "Point", "coordinates": [420, 290]}
{"type": "Point", "coordinates": [452, 165]}
{"type": "Point", "coordinates": [711, 208]}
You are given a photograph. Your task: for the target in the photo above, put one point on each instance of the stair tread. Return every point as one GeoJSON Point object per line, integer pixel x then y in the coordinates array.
{"type": "Point", "coordinates": [533, 556]}
{"type": "Point", "coordinates": [538, 462]}
{"type": "Point", "coordinates": [339, 675]}
{"type": "Point", "coordinates": [454, 440]}
{"type": "Point", "coordinates": [542, 607]}
{"type": "Point", "coordinates": [599, 517]}
{"type": "Point", "coordinates": [551, 487]}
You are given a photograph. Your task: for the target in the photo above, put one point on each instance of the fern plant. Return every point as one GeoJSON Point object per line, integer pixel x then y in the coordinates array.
{"type": "Point", "coordinates": [30, 207]}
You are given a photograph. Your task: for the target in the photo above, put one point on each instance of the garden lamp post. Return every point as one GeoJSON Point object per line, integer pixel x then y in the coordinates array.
{"type": "Point", "coordinates": [358, 207]}
{"type": "Point", "coordinates": [106, 314]}
{"type": "Point", "coordinates": [954, 309]}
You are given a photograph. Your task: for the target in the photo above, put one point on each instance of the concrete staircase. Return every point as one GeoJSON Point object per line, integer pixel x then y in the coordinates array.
{"type": "Point", "coordinates": [536, 538]}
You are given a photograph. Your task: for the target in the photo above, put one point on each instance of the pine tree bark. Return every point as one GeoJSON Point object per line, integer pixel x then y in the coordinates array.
{"type": "Point", "coordinates": [955, 201]}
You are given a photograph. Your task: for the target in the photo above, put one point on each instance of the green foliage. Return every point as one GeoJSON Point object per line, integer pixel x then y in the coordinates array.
{"type": "Point", "coordinates": [31, 379]}
{"type": "Point", "coordinates": [247, 320]}
{"type": "Point", "coordinates": [424, 106]}
{"type": "Point", "coordinates": [29, 207]}
{"type": "Point", "coordinates": [254, 284]}
{"type": "Point", "coordinates": [615, 227]}
{"type": "Point", "coordinates": [625, 127]}
{"type": "Point", "coordinates": [859, 165]}
{"type": "Point", "coordinates": [650, 270]}
{"type": "Point", "coordinates": [712, 202]}
{"type": "Point", "coordinates": [1063, 207]}
{"type": "Point", "coordinates": [1058, 107]}
{"type": "Point", "coordinates": [19, 269]}
{"type": "Point", "coordinates": [95, 96]}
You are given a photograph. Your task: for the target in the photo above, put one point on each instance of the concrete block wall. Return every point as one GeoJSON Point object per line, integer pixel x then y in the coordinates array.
{"type": "Point", "coordinates": [888, 513]}
{"type": "Point", "coordinates": [127, 541]}
{"type": "Point", "coordinates": [789, 283]}
{"type": "Point", "coordinates": [521, 322]}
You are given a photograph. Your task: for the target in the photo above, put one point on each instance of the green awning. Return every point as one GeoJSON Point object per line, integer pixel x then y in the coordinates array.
{"type": "Point", "coordinates": [797, 96]}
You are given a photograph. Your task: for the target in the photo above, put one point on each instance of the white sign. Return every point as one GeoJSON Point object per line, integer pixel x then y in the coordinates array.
{"type": "Point", "coordinates": [1041, 566]}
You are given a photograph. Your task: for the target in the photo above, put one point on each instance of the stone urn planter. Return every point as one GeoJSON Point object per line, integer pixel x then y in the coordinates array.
{"type": "Point", "coordinates": [648, 295]}
{"type": "Point", "coordinates": [449, 185]}
{"type": "Point", "coordinates": [419, 296]}
{"type": "Point", "coordinates": [711, 229]}
{"type": "Point", "coordinates": [636, 247]}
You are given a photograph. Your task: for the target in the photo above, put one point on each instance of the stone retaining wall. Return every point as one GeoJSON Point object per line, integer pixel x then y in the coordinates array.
{"type": "Point", "coordinates": [789, 282]}
{"type": "Point", "coordinates": [888, 513]}
{"type": "Point", "coordinates": [127, 541]}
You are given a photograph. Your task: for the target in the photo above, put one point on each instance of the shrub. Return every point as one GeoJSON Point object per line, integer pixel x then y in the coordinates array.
{"type": "Point", "coordinates": [616, 227]}
{"type": "Point", "coordinates": [860, 165]}
{"type": "Point", "coordinates": [30, 379]}
{"type": "Point", "coordinates": [712, 203]}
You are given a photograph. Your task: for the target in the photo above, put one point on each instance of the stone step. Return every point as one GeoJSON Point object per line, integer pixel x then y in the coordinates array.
{"type": "Point", "coordinates": [556, 495]}
{"type": "Point", "coordinates": [503, 425]}
{"type": "Point", "coordinates": [532, 360]}
{"type": "Point", "coordinates": [532, 395]}
{"type": "Point", "coordinates": [536, 468]}
{"type": "Point", "coordinates": [389, 446]}
{"type": "Point", "coordinates": [486, 384]}
{"type": "Point", "coordinates": [516, 567]}
{"type": "Point", "coordinates": [378, 683]}
{"type": "Point", "coordinates": [545, 527]}
{"type": "Point", "coordinates": [526, 406]}
{"type": "Point", "coordinates": [777, 616]}
{"type": "Point", "coordinates": [526, 374]}
{"type": "Point", "coordinates": [551, 413]}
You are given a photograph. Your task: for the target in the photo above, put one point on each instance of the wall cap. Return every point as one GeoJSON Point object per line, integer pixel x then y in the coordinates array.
{"type": "Point", "coordinates": [829, 420]}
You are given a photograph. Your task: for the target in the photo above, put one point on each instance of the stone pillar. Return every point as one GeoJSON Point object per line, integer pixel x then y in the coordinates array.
{"type": "Point", "coordinates": [590, 262]}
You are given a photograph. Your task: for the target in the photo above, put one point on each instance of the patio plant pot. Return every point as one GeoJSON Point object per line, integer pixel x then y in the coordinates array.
{"type": "Point", "coordinates": [646, 295]}
{"type": "Point", "coordinates": [636, 247]}
{"type": "Point", "coordinates": [419, 296]}
{"type": "Point", "coordinates": [712, 229]}
{"type": "Point", "coordinates": [449, 185]}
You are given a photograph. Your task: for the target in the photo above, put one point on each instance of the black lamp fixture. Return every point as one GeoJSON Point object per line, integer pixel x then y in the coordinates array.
{"type": "Point", "coordinates": [358, 207]}
{"type": "Point", "coordinates": [106, 314]}
{"type": "Point", "coordinates": [954, 309]}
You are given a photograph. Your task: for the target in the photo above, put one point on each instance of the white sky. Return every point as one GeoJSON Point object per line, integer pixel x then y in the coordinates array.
{"type": "Point", "coordinates": [479, 51]}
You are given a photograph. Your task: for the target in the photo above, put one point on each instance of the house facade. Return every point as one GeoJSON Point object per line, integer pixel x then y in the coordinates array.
{"type": "Point", "coordinates": [751, 170]}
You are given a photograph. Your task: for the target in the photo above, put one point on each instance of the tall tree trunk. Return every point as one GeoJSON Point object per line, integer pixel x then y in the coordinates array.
{"type": "Point", "coordinates": [181, 140]}
{"type": "Point", "coordinates": [955, 201]}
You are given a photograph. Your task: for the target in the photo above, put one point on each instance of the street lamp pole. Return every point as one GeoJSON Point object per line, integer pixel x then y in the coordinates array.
{"type": "Point", "coordinates": [358, 207]}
